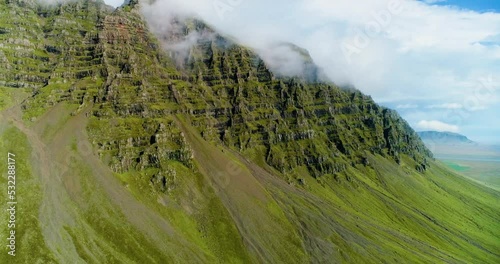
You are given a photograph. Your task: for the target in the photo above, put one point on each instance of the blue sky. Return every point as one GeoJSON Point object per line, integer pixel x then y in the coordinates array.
{"type": "Point", "coordinates": [436, 62]}
{"type": "Point", "coordinates": [476, 5]}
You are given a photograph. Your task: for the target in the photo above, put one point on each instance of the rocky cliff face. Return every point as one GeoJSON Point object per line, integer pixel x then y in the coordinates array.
{"type": "Point", "coordinates": [110, 62]}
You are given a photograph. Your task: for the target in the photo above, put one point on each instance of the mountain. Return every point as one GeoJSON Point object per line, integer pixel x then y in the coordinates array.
{"type": "Point", "coordinates": [445, 138]}
{"type": "Point", "coordinates": [135, 144]}
{"type": "Point", "coordinates": [444, 144]}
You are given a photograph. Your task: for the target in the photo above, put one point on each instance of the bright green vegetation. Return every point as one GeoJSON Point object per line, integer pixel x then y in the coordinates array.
{"type": "Point", "coordinates": [29, 235]}
{"type": "Point", "coordinates": [9, 97]}
{"type": "Point", "coordinates": [457, 167]}
{"type": "Point", "coordinates": [5, 97]}
{"type": "Point", "coordinates": [134, 154]}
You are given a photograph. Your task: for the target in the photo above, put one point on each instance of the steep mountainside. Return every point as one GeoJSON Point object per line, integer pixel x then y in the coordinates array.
{"type": "Point", "coordinates": [138, 145]}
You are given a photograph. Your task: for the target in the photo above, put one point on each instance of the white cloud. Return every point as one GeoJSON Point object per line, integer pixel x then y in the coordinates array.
{"type": "Point", "coordinates": [435, 125]}
{"type": "Point", "coordinates": [445, 106]}
{"type": "Point", "coordinates": [421, 54]}
{"type": "Point", "coordinates": [418, 51]}
{"type": "Point", "coordinates": [407, 106]}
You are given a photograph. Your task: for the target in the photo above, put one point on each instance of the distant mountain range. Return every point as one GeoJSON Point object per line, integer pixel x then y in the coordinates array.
{"type": "Point", "coordinates": [445, 138]}
{"type": "Point", "coordinates": [444, 144]}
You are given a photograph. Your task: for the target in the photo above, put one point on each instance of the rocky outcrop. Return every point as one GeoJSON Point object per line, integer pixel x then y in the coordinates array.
{"type": "Point", "coordinates": [138, 83]}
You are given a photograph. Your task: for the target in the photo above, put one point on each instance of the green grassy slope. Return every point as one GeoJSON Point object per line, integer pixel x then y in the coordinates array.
{"type": "Point", "coordinates": [382, 212]}
{"type": "Point", "coordinates": [78, 211]}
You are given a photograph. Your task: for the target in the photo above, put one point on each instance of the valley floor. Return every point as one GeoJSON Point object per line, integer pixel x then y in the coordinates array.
{"type": "Point", "coordinates": [484, 171]}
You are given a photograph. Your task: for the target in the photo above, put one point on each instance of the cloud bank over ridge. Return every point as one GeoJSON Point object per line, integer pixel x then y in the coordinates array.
{"type": "Point", "coordinates": [402, 52]}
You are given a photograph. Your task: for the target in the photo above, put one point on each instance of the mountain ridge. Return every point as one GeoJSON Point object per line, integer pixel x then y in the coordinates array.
{"type": "Point", "coordinates": [135, 158]}
{"type": "Point", "coordinates": [445, 137]}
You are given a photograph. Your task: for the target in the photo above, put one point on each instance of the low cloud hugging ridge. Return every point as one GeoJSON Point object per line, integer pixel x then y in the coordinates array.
{"type": "Point", "coordinates": [435, 125]}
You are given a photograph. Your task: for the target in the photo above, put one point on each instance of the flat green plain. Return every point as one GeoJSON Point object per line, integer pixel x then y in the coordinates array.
{"type": "Point", "coordinates": [487, 172]}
